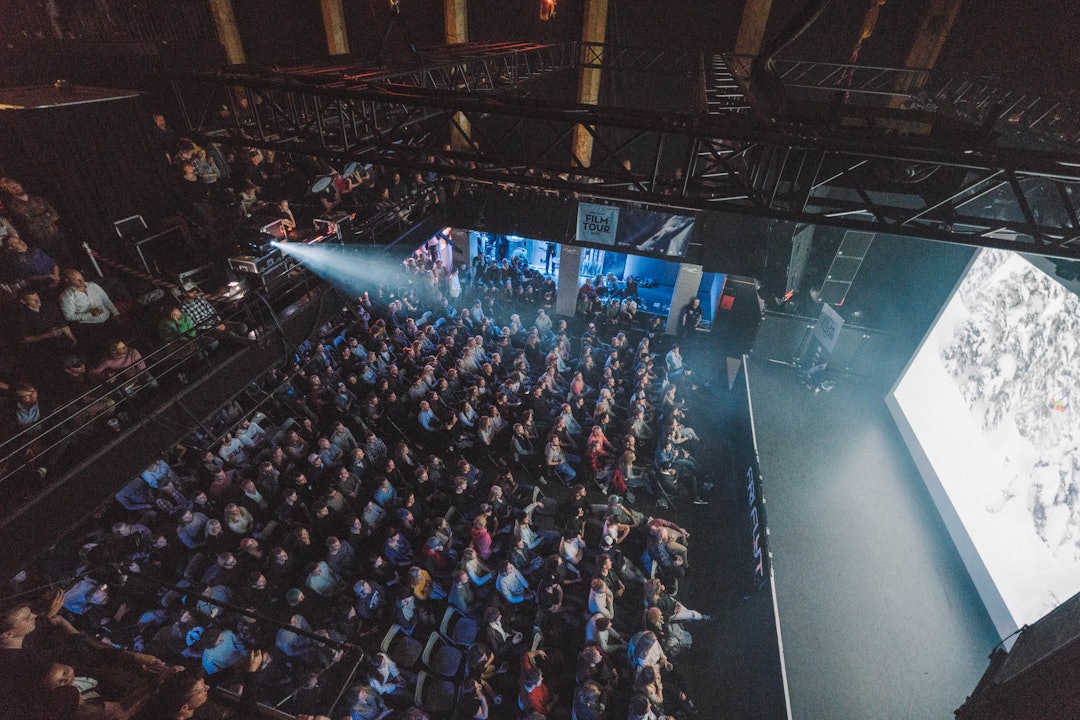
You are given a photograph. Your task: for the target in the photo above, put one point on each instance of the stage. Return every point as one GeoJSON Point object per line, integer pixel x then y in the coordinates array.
{"type": "Point", "coordinates": [878, 615]}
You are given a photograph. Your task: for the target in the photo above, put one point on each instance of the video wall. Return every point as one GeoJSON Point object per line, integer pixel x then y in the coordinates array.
{"type": "Point", "coordinates": [987, 409]}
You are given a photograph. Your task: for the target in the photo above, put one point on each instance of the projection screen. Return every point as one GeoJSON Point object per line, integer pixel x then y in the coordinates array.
{"type": "Point", "coordinates": [986, 407]}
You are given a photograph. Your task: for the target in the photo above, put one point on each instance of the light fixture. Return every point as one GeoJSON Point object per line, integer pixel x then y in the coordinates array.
{"type": "Point", "coordinates": [547, 9]}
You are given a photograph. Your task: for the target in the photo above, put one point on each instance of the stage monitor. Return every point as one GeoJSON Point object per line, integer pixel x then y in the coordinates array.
{"type": "Point", "coordinates": [988, 411]}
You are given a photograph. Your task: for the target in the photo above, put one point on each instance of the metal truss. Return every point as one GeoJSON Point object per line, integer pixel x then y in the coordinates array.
{"type": "Point", "coordinates": [1028, 117]}
{"type": "Point", "coordinates": [849, 177]}
{"type": "Point", "coordinates": [324, 102]}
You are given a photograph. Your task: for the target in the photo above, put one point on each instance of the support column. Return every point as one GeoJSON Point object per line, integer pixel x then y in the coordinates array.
{"type": "Point", "coordinates": [594, 30]}
{"type": "Point", "coordinates": [755, 16]}
{"type": "Point", "coordinates": [456, 13]}
{"type": "Point", "coordinates": [933, 30]}
{"type": "Point", "coordinates": [333, 15]}
{"type": "Point", "coordinates": [686, 287]}
{"type": "Point", "coordinates": [569, 269]}
{"type": "Point", "coordinates": [228, 33]}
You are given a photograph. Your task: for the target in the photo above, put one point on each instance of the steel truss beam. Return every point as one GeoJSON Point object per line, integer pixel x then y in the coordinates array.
{"type": "Point", "coordinates": [983, 196]}
{"type": "Point", "coordinates": [1050, 121]}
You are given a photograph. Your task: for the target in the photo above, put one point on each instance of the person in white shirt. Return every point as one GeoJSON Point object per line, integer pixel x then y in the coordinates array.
{"type": "Point", "coordinates": [601, 599]}
{"type": "Point", "coordinates": [85, 302]}
{"type": "Point", "coordinates": [89, 310]}
{"type": "Point", "coordinates": [232, 450]}
{"type": "Point", "coordinates": [512, 585]}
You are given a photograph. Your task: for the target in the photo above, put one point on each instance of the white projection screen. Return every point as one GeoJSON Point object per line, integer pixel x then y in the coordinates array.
{"type": "Point", "coordinates": [987, 407]}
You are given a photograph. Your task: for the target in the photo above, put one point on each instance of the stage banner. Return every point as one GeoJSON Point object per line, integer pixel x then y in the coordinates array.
{"type": "Point", "coordinates": [755, 506]}
{"type": "Point", "coordinates": [597, 223]}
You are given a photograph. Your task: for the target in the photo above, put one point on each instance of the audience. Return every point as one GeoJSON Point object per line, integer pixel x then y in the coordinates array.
{"type": "Point", "coordinates": [393, 493]}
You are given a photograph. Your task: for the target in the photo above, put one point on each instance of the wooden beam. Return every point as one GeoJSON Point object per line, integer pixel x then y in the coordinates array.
{"type": "Point", "coordinates": [228, 33]}
{"type": "Point", "coordinates": [933, 31]}
{"type": "Point", "coordinates": [594, 30]}
{"type": "Point", "coordinates": [456, 13]}
{"type": "Point", "coordinates": [755, 16]}
{"type": "Point", "coordinates": [337, 39]}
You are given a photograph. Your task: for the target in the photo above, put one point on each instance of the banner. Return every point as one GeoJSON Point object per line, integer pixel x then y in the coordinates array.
{"type": "Point", "coordinates": [597, 224]}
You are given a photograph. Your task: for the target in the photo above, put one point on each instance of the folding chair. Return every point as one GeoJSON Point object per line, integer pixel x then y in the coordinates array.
{"type": "Point", "coordinates": [434, 695]}
{"type": "Point", "coordinates": [441, 657]}
{"type": "Point", "coordinates": [459, 629]}
{"type": "Point", "coordinates": [402, 649]}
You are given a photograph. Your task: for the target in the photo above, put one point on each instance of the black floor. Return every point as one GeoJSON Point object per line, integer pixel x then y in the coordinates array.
{"type": "Point", "coordinates": [878, 616]}
{"type": "Point", "coordinates": [733, 669]}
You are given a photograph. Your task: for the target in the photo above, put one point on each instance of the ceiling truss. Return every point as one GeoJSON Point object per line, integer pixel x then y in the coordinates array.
{"type": "Point", "coordinates": [856, 177]}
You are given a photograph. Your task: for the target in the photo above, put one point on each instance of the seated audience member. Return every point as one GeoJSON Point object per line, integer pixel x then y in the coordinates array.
{"type": "Point", "coordinates": [21, 262]}
{"type": "Point", "coordinates": [75, 385]}
{"type": "Point", "coordinates": [38, 217]}
{"type": "Point", "coordinates": [205, 317]}
{"type": "Point", "coordinates": [124, 367]}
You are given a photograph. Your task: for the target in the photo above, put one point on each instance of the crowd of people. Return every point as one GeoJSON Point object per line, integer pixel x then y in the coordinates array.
{"type": "Point", "coordinates": [445, 487]}
{"type": "Point", "coordinates": [78, 345]}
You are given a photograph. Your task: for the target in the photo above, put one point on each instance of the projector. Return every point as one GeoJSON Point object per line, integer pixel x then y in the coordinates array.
{"type": "Point", "coordinates": [256, 265]}
{"type": "Point", "coordinates": [256, 237]}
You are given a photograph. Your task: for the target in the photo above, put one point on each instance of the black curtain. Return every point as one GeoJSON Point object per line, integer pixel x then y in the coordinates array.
{"type": "Point", "coordinates": [95, 161]}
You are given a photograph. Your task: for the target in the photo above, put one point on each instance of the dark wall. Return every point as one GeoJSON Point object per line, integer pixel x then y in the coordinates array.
{"type": "Point", "coordinates": [94, 161]}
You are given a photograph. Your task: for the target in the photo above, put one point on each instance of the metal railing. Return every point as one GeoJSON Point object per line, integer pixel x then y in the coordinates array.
{"type": "Point", "coordinates": [52, 433]}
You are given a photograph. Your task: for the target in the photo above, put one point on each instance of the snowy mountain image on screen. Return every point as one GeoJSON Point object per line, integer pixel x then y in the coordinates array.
{"type": "Point", "coordinates": [1013, 354]}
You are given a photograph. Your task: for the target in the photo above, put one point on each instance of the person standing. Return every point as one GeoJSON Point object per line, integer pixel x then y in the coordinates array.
{"type": "Point", "coordinates": [88, 308]}
{"type": "Point", "coordinates": [690, 316]}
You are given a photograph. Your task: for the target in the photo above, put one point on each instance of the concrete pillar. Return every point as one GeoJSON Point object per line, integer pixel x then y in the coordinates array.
{"type": "Point", "coordinates": [594, 30]}
{"type": "Point", "coordinates": [333, 16]}
{"type": "Point", "coordinates": [228, 33]}
{"type": "Point", "coordinates": [457, 21]}
{"type": "Point", "coordinates": [456, 13]}
{"type": "Point", "coordinates": [933, 30]}
{"type": "Point", "coordinates": [755, 16]}
{"type": "Point", "coordinates": [569, 269]}
{"type": "Point", "coordinates": [686, 287]}
{"type": "Point", "coordinates": [460, 240]}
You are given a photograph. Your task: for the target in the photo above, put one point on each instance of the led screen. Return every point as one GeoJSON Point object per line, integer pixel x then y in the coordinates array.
{"type": "Point", "coordinates": [986, 406]}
